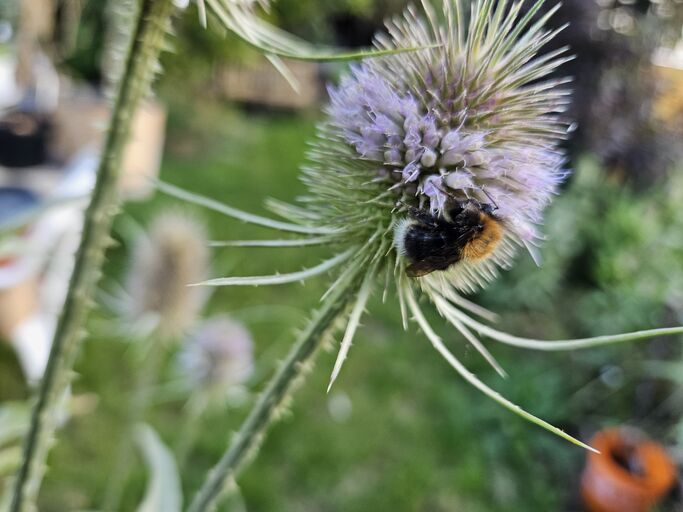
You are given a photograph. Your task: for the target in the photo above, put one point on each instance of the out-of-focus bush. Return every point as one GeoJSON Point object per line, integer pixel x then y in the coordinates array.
{"type": "Point", "coordinates": [344, 22]}
{"type": "Point", "coordinates": [614, 260]}
{"type": "Point", "coordinates": [614, 85]}
{"type": "Point", "coordinates": [84, 58]}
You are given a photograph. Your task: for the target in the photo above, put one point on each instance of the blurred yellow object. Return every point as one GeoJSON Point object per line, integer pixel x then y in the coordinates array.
{"type": "Point", "coordinates": [16, 305]}
{"type": "Point", "coordinates": [142, 157]}
{"type": "Point", "coordinates": [260, 83]}
{"type": "Point", "coordinates": [37, 23]}
{"type": "Point", "coordinates": [81, 121]}
{"type": "Point", "coordinates": [668, 107]}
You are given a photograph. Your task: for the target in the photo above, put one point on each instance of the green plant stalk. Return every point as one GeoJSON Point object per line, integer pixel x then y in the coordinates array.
{"type": "Point", "coordinates": [277, 392]}
{"type": "Point", "coordinates": [189, 431]}
{"type": "Point", "coordinates": [146, 43]}
{"type": "Point", "coordinates": [147, 372]}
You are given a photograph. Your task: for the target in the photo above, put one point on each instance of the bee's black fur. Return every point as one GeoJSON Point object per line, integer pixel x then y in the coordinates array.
{"type": "Point", "coordinates": [432, 243]}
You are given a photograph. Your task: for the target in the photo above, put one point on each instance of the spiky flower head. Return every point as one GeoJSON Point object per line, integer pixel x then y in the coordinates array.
{"type": "Point", "coordinates": [468, 119]}
{"type": "Point", "coordinates": [218, 354]}
{"type": "Point", "coordinates": [165, 259]}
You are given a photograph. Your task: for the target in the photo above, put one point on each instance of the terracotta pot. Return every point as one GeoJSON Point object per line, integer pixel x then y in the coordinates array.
{"type": "Point", "coordinates": [631, 474]}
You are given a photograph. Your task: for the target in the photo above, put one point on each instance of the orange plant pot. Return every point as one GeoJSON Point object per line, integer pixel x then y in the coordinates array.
{"type": "Point", "coordinates": [631, 473]}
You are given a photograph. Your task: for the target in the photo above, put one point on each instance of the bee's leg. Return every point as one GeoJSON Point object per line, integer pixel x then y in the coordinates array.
{"type": "Point", "coordinates": [423, 216]}
{"type": "Point", "coordinates": [419, 269]}
{"type": "Point", "coordinates": [458, 207]}
{"type": "Point", "coordinates": [489, 208]}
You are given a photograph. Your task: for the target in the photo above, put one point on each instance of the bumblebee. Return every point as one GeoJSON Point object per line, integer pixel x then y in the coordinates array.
{"type": "Point", "coordinates": [468, 231]}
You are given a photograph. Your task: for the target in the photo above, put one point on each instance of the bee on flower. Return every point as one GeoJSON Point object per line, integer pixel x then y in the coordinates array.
{"type": "Point", "coordinates": [430, 172]}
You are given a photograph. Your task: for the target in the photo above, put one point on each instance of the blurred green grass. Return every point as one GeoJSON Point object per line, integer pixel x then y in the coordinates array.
{"type": "Point", "coordinates": [417, 438]}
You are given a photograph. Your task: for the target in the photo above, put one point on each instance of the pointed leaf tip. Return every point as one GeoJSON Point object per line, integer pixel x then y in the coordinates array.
{"type": "Point", "coordinates": [437, 343]}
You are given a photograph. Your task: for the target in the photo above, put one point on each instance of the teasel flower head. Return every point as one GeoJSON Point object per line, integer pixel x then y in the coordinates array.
{"type": "Point", "coordinates": [171, 254]}
{"type": "Point", "coordinates": [467, 123]}
{"type": "Point", "coordinates": [218, 354]}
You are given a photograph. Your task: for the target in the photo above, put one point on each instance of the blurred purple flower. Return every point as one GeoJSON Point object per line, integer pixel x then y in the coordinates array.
{"type": "Point", "coordinates": [218, 354]}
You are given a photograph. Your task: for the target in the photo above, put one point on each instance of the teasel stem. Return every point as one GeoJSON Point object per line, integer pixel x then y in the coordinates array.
{"type": "Point", "coordinates": [194, 409]}
{"type": "Point", "coordinates": [264, 413]}
{"type": "Point", "coordinates": [147, 39]}
{"type": "Point", "coordinates": [147, 372]}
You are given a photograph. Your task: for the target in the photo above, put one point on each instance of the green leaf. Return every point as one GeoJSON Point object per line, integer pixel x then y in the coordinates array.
{"type": "Point", "coordinates": [10, 458]}
{"type": "Point", "coordinates": [164, 493]}
{"type": "Point", "coordinates": [14, 419]}
{"type": "Point", "coordinates": [5, 495]}
{"type": "Point", "coordinates": [240, 18]}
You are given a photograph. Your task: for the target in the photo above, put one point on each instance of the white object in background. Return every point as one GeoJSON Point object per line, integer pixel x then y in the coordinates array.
{"type": "Point", "coordinates": [10, 92]}
{"type": "Point", "coordinates": [52, 243]}
{"type": "Point", "coordinates": [31, 341]}
{"type": "Point", "coordinates": [669, 57]}
{"type": "Point", "coordinates": [48, 229]}
{"type": "Point", "coordinates": [41, 94]}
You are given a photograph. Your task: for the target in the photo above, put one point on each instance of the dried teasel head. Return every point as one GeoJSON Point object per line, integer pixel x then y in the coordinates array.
{"type": "Point", "coordinates": [170, 255]}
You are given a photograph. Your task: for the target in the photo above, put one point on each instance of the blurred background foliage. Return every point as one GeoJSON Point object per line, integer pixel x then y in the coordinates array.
{"type": "Point", "coordinates": [399, 431]}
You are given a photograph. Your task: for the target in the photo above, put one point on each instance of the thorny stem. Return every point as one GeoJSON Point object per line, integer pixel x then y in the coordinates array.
{"type": "Point", "coordinates": [146, 42]}
{"type": "Point", "coordinates": [278, 390]}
